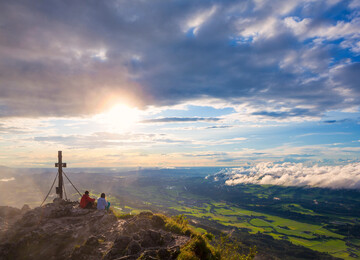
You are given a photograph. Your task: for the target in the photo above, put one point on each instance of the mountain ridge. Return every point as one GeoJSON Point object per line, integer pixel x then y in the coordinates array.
{"type": "Point", "coordinates": [62, 230]}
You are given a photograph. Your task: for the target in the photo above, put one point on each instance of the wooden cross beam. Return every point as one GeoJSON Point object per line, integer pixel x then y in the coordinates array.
{"type": "Point", "coordinates": [60, 165]}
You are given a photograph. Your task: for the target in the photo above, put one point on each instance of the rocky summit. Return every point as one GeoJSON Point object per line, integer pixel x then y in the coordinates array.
{"type": "Point", "coordinates": [62, 230]}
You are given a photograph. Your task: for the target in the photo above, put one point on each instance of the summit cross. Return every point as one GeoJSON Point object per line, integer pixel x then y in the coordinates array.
{"type": "Point", "coordinates": [60, 165]}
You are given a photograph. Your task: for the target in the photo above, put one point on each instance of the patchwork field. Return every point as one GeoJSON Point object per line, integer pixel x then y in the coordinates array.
{"type": "Point", "coordinates": [228, 214]}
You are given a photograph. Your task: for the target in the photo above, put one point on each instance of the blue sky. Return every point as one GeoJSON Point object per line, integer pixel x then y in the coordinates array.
{"type": "Point", "coordinates": [179, 83]}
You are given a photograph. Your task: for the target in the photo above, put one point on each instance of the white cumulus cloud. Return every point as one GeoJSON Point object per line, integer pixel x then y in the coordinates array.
{"type": "Point", "coordinates": [294, 174]}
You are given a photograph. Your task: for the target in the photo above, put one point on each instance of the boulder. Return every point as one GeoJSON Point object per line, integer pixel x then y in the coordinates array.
{"type": "Point", "coordinates": [151, 238]}
{"type": "Point", "coordinates": [92, 241]}
{"type": "Point", "coordinates": [133, 248]}
{"type": "Point", "coordinates": [157, 221]}
{"type": "Point", "coordinates": [122, 242]}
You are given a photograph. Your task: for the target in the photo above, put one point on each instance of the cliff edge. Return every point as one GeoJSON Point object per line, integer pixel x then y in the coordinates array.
{"type": "Point", "coordinates": [62, 230]}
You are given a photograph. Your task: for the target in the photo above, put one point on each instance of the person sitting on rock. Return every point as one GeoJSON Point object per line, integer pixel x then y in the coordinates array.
{"type": "Point", "coordinates": [86, 202]}
{"type": "Point", "coordinates": [102, 204]}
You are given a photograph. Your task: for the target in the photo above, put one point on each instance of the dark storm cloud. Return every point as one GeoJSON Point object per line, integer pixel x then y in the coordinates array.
{"type": "Point", "coordinates": [66, 58]}
{"type": "Point", "coordinates": [181, 119]}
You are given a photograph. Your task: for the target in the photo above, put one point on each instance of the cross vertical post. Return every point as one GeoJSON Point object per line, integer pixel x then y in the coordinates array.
{"type": "Point", "coordinates": [60, 165]}
{"type": "Point", "coordinates": [60, 175]}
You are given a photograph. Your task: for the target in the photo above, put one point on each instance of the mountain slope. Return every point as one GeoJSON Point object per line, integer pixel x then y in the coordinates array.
{"type": "Point", "coordinates": [62, 230]}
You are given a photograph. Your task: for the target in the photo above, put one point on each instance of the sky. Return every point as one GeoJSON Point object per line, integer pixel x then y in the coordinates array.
{"type": "Point", "coordinates": [179, 83]}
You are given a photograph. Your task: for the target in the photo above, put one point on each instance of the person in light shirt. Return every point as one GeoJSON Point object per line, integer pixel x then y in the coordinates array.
{"type": "Point", "coordinates": [102, 204]}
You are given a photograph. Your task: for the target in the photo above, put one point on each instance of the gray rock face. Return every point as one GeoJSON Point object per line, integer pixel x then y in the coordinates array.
{"type": "Point", "coordinates": [144, 236]}
{"type": "Point", "coordinates": [8, 216]}
{"type": "Point", "coordinates": [9, 212]}
{"type": "Point", "coordinates": [62, 230]}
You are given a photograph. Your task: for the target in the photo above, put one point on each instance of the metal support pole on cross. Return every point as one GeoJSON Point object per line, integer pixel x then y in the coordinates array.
{"type": "Point", "coordinates": [60, 165]}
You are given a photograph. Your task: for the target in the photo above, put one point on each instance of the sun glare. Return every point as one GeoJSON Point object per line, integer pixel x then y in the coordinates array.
{"type": "Point", "coordinates": [120, 117]}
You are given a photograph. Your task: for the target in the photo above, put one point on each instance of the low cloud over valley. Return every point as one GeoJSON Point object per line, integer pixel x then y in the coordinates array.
{"type": "Point", "coordinates": [294, 174]}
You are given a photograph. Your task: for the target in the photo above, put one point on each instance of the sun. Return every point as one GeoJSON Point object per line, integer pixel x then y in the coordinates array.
{"type": "Point", "coordinates": [120, 117]}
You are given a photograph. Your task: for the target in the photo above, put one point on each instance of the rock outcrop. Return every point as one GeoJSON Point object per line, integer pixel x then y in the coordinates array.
{"type": "Point", "coordinates": [8, 216]}
{"type": "Point", "coordinates": [62, 230]}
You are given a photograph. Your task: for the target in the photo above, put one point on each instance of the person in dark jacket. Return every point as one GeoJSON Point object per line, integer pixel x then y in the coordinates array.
{"type": "Point", "coordinates": [86, 202]}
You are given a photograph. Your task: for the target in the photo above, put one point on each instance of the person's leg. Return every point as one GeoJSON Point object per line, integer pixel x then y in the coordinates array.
{"type": "Point", "coordinates": [88, 206]}
{"type": "Point", "coordinates": [108, 206]}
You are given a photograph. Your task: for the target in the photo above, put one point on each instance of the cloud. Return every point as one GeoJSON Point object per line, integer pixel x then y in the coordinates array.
{"type": "Point", "coordinates": [206, 154]}
{"type": "Point", "coordinates": [106, 139]}
{"type": "Point", "coordinates": [284, 114]}
{"type": "Point", "coordinates": [330, 121]}
{"type": "Point", "coordinates": [337, 121]}
{"type": "Point", "coordinates": [5, 129]}
{"type": "Point", "coordinates": [301, 155]}
{"type": "Point", "coordinates": [219, 127]}
{"type": "Point", "coordinates": [75, 59]}
{"type": "Point", "coordinates": [7, 179]}
{"type": "Point", "coordinates": [222, 141]}
{"type": "Point", "coordinates": [294, 174]}
{"type": "Point", "coordinates": [324, 30]}
{"type": "Point", "coordinates": [347, 77]}
{"type": "Point", "coordinates": [195, 21]}
{"type": "Point", "coordinates": [181, 119]}
{"type": "Point", "coordinates": [228, 160]}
